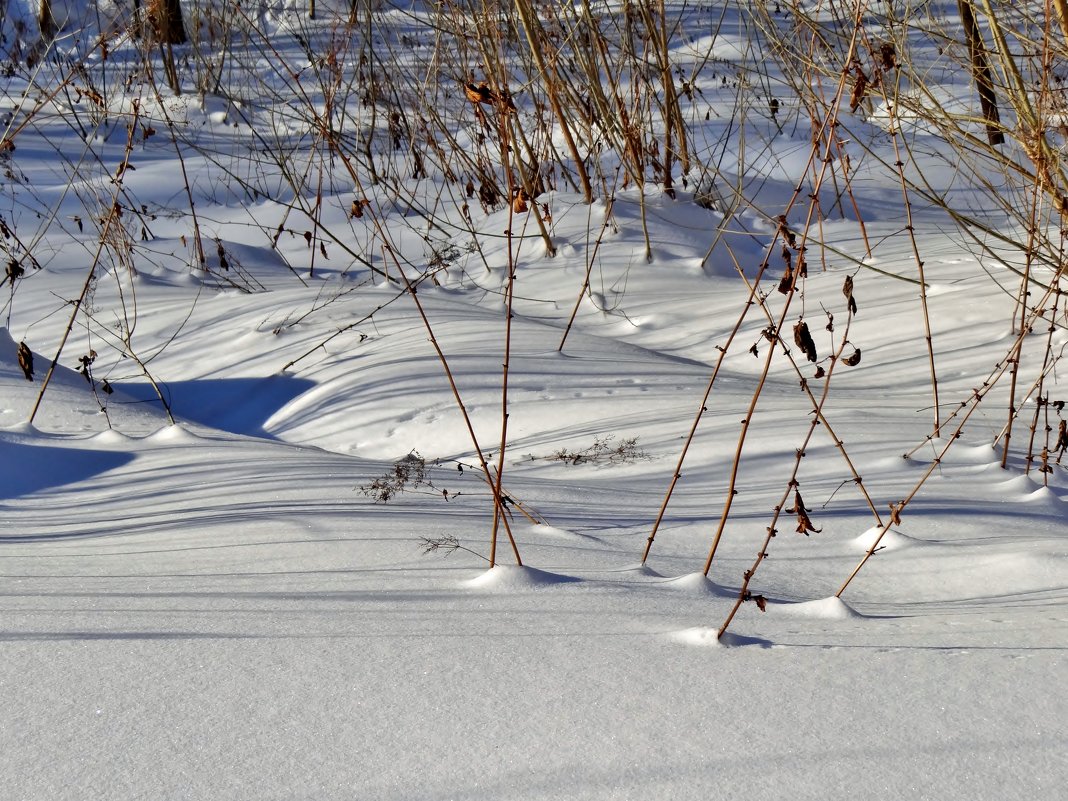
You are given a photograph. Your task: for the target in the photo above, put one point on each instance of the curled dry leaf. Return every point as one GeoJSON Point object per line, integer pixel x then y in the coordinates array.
{"type": "Point", "coordinates": [804, 522]}
{"type": "Point", "coordinates": [803, 340]}
{"type": "Point", "coordinates": [787, 235]}
{"type": "Point", "coordinates": [888, 55]}
{"type": "Point", "coordinates": [14, 271]}
{"type": "Point", "coordinates": [519, 201]}
{"type": "Point", "coordinates": [1062, 438]}
{"type": "Point", "coordinates": [853, 359]}
{"type": "Point", "coordinates": [786, 283]}
{"type": "Point", "coordinates": [26, 360]}
{"type": "Point", "coordinates": [847, 290]}
{"type": "Point", "coordinates": [860, 89]}
{"type": "Point", "coordinates": [761, 602]}
{"type": "Point", "coordinates": [895, 513]}
{"type": "Point", "coordinates": [478, 93]}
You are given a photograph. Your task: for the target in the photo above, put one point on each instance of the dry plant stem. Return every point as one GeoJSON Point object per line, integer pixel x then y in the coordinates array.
{"type": "Point", "coordinates": [77, 305]}
{"type": "Point", "coordinates": [981, 72]}
{"type": "Point", "coordinates": [791, 484]}
{"type": "Point", "coordinates": [969, 408]}
{"type": "Point", "coordinates": [498, 505]}
{"type": "Point", "coordinates": [1041, 398]}
{"type": "Point", "coordinates": [900, 506]}
{"type": "Point", "coordinates": [899, 164]}
{"type": "Point", "coordinates": [830, 119]}
{"type": "Point", "coordinates": [509, 293]}
{"type": "Point", "coordinates": [1021, 308]}
{"type": "Point", "coordinates": [701, 409]}
{"type": "Point", "coordinates": [817, 410]}
{"type": "Point", "coordinates": [549, 75]}
{"type": "Point", "coordinates": [112, 219]}
{"type": "Point", "coordinates": [609, 202]}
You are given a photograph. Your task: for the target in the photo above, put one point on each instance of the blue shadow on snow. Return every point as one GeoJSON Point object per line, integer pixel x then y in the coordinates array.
{"type": "Point", "coordinates": [237, 405]}
{"type": "Point", "coordinates": [25, 469]}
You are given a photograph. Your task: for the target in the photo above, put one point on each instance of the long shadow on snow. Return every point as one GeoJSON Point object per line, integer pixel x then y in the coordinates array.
{"type": "Point", "coordinates": [25, 469]}
{"type": "Point", "coordinates": [238, 405]}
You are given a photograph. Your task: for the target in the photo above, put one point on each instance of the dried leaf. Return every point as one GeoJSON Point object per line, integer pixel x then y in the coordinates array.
{"type": "Point", "coordinates": [847, 290]}
{"type": "Point", "coordinates": [860, 89]}
{"type": "Point", "coordinates": [26, 360]}
{"type": "Point", "coordinates": [820, 372]}
{"type": "Point", "coordinates": [786, 283]}
{"type": "Point", "coordinates": [853, 359]}
{"type": "Point", "coordinates": [784, 231]}
{"type": "Point", "coordinates": [479, 93]}
{"type": "Point", "coordinates": [804, 522]}
{"type": "Point", "coordinates": [888, 55]}
{"type": "Point", "coordinates": [14, 271]}
{"type": "Point", "coordinates": [895, 514]}
{"type": "Point", "coordinates": [803, 340]}
{"type": "Point", "coordinates": [761, 602]}
{"type": "Point", "coordinates": [519, 202]}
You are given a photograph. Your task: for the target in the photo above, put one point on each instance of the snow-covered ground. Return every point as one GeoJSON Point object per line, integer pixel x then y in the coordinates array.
{"type": "Point", "coordinates": [221, 609]}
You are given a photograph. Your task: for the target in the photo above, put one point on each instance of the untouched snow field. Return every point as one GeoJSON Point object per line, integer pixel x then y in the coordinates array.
{"type": "Point", "coordinates": [214, 609]}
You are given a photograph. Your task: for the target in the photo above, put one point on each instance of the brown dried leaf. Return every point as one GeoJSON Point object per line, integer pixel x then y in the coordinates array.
{"type": "Point", "coordinates": [784, 231]}
{"type": "Point", "coordinates": [860, 89]}
{"type": "Point", "coordinates": [888, 54]}
{"type": "Point", "coordinates": [804, 522]}
{"type": "Point", "coordinates": [853, 359]}
{"type": "Point", "coordinates": [14, 271]}
{"type": "Point", "coordinates": [786, 283]}
{"type": "Point", "coordinates": [761, 602]}
{"type": "Point", "coordinates": [803, 340]}
{"type": "Point", "coordinates": [478, 93]}
{"type": "Point", "coordinates": [895, 514]}
{"type": "Point", "coordinates": [519, 202]}
{"type": "Point", "coordinates": [26, 360]}
{"type": "Point", "coordinates": [847, 290]}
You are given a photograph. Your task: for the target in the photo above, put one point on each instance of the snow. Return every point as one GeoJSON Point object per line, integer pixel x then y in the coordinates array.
{"type": "Point", "coordinates": [217, 608]}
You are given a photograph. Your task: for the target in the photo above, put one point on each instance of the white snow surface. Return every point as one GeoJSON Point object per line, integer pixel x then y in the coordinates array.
{"type": "Point", "coordinates": [215, 610]}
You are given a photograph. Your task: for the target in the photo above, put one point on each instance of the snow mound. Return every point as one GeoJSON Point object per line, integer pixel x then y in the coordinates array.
{"type": "Point", "coordinates": [707, 637]}
{"type": "Point", "coordinates": [640, 570]}
{"type": "Point", "coordinates": [704, 636]}
{"type": "Point", "coordinates": [821, 609]}
{"type": "Point", "coordinates": [111, 437]}
{"type": "Point", "coordinates": [175, 434]}
{"type": "Point", "coordinates": [697, 584]}
{"type": "Point", "coordinates": [890, 541]}
{"type": "Point", "coordinates": [514, 577]}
